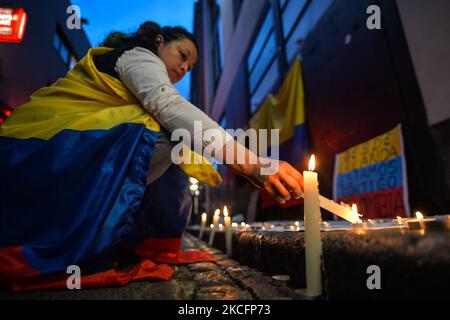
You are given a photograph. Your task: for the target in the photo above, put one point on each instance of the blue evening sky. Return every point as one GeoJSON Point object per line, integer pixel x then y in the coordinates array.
{"type": "Point", "coordinates": [105, 16]}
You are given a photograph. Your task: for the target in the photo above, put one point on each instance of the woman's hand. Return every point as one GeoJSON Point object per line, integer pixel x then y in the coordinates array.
{"type": "Point", "coordinates": [282, 181]}
{"type": "Point", "coordinates": [278, 178]}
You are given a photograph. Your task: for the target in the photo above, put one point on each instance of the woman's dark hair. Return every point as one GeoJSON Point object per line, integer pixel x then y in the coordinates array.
{"type": "Point", "coordinates": [145, 37]}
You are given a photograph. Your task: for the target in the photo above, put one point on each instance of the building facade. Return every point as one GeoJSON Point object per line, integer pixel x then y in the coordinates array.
{"type": "Point", "coordinates": [47, 51]}
{"type": "Point", "coordinates": [358, 82]}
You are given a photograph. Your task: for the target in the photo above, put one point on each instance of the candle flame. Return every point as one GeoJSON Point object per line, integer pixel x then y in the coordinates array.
{"type": "Point", "coordinates": [220, 226]}
{"type": "Point", "coordinates": [312, 163]}
{"type": "Point", "coordinates": [419, 215]}
{"type": "Point", "coordinates": [211, 226]}
{"type": "Point", "coordinates": [217, 212]}
{"type": "Point", "coordinates": [204, 215]}
{"type": "Point", "coordinates": [242, 224]}
{"type": "Point", "coordinates": [225, 211]}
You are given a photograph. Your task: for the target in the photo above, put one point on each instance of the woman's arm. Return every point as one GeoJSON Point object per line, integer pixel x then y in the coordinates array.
{"type": "Point", "coordinates": [278, 178]}
{"type": "Point", "coordinates": [146, 76]}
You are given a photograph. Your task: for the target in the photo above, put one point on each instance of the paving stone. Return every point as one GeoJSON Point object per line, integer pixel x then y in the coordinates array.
{"type": "Point", "coordinates": [240, 272]}
{"type": "Point", "coordinates": [281, 280]}
{"type": "Point", "coordinates": [227, 263]}
{"type": "Point", "coordinates": [262, 288]}
{"type": "Point", "coordinates": [202, 267]}
{"type": "Point", "coordinates": [222, 292]}
{"type": "Point", "coordinates": [211, 278]}
{"type": "Point", "coordinates": [182, 273]}
{"type": "Point", "coordinates": [213, 251]}
{"type": "Point", "coordinates": [220, 256]}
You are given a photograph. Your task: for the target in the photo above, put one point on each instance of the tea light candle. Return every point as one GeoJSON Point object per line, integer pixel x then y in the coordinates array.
{"type": "Point", "coordinates": [228, 234]}
{"type": "Point", "coordinates": [360, 224]}
{"type": "Point", "coordinates": [214, 225]}
{"type": "Point", "coordinates": [216, 217]}
{"type": "Point", "coordinates": [212, 234]}
{"type": "Point", "coordinates": [418, 222]}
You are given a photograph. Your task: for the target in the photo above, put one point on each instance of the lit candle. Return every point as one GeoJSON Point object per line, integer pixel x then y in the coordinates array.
{"type": "Point", "coordinates": [360, 224]}
{"type": "Point", "coordinates": [399, 220]}
{"type": "Point", "coordinates": [313, 242]}
{"type": "Point", "coordinates": [216, 217]}
{"type": "Point", "coordinates": [202, 227]}
{"type": "Point", "coordinates": [211, 235]}
{"type": "Point", "coordinates": [214, 225]}
{"type": "Point", "coordinates": [228, 234]}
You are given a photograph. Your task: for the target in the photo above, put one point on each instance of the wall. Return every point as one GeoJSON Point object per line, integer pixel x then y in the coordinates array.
{"type": "Point", "coordinates": [427, 29]}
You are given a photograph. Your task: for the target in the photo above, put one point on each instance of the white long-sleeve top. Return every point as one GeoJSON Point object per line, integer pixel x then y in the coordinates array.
{"type": "Point", "coordinates": [145, 74]}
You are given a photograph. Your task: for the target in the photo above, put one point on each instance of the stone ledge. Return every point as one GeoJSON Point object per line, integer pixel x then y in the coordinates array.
{"type": "Point", "coordinates": [412, 265]}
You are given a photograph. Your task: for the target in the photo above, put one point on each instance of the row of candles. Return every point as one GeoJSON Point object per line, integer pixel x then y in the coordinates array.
{"type": "Point", "coordinates": [215, 225]}
{"type": "Point", "coordinates": [313, 201]}
{"type": "Point", "coordinates": [416, 223]}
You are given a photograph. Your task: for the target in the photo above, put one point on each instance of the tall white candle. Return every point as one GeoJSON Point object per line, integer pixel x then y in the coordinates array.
{"type": "Point", "coordinates": [214, 225]}
{"type": "Point", "coordinates": [313, 242]}
{"type": "Point", "coordinates": [202, 227]}
{"type": "Point", "coordinates": [228, 234]}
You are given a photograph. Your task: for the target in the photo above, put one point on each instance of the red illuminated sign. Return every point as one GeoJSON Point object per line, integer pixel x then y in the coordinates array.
{"type": "Point", "coordinates": [12, 24]}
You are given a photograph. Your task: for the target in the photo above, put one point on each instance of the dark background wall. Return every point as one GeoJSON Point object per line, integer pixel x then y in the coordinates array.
{"type": "Point", "coordinates": [366, 86]}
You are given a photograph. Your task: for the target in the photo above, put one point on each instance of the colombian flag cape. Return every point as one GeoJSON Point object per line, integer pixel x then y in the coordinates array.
{"type": "Point", "coordinates": [73, 167]}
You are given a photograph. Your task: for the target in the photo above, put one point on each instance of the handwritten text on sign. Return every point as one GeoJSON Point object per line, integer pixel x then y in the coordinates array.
{"type": "Point", "coordinates": [373, 175]}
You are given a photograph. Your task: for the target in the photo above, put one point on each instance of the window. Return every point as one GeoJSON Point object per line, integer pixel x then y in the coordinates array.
{"type": "Point", "coordinates": [297, 28]}
{"type": "Point", "coordinates": [223, 122]}
{"type": "Point", "coordinates": [264, 88]}
{"type": "Point", "coordinates": [217, 44]}
{"type": "Point", "coordinates": [72, 62]}
{"type": "Point", "coordinates": [63, 51]}
{"type": "Point", "coordinates": [266, 29]}
{"type": "Point", "coordinates": [262, 62]}
{"type": "Point", "coordinates": [290, 13]}
{"type": "Point", "coordinates": [277, 44]}
{"type": "Point", "coordinates": [282, 4]}
{"type": "Point", "coordinates": [237, 5]}
{"type": "Point", "coordinates": [265, 59]}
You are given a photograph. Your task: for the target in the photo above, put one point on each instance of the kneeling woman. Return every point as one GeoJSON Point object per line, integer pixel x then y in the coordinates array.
{"type": "Point", "coordinates": [86, 169]}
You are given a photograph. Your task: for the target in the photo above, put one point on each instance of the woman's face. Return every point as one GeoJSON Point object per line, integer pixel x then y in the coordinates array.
{"type": "Point", "coordinates": [179, 56]}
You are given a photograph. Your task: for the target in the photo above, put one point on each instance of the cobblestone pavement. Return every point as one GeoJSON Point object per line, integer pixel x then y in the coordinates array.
{"type": "Point", "coordinates": [225, 279]}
